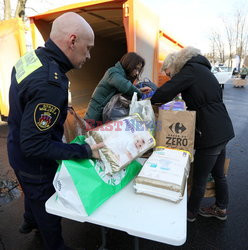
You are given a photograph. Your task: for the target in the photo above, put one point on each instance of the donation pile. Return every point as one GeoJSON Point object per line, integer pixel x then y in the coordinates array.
{"type": "Point", "coordinates": [82, 185]}
{"type": "Point", "coordinates": [125, 140]}
{"type": "Point", "coordinates": [164, 174]}
{"type": "Point", "coordinates": [85, 184]}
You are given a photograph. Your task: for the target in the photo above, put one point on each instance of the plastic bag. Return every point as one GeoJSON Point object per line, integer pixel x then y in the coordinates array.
{"type": "Point", "coordinates": [147, 83]}
{"type": "Point", "coordinates": [145, 110]}
{"type": "Point", "coordinates": [82, 185]}
{"type": "Point", "coordinates": [116, 108]}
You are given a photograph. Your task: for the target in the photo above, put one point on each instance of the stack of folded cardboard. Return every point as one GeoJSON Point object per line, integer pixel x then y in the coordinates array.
{"type": "Point", "coordinates": [238, 82]}
{"type": "Point", "coordinates": [164, 174]}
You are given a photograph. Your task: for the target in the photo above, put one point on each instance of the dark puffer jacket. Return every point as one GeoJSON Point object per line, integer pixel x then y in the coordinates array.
{"type": "Point", "coordinates": [113, 82]}
{"type": "Point", "coordinates": [201, 92]}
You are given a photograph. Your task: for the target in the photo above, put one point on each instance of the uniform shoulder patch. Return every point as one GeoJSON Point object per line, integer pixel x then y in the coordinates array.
{"type": "Point", "coordinates": [26, 65]}
{"type": "Point", "coordinates": [45, 116]}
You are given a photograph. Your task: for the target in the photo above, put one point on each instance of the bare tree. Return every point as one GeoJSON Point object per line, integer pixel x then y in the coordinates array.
{"type": "Point", "coordinates": [230, 40]}
{"type": "Point", "coordinates": [7, 9]}
{"type": "Point", "coordinates": [240, 41]}
{"type": "Point", "coordinates": [19, 9]}
{"type": "Point", "coordinates": [220, 47]}
{"type": "Point", "coordinates": [234, 39]}
{"type": "Point", "coordinates": [212, 55]}
{"type": "Point", "coordinates": [217, 47]}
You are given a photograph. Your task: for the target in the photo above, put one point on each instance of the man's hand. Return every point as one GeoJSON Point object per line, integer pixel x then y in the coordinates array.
{"type": "Point", "coordinates": [145, 90]}
{"type": "Point", "coordinates": [95, 148]}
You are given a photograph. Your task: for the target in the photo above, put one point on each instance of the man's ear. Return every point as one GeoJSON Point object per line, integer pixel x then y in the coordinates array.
{"type": "Point", "coordinates": [72, 41]}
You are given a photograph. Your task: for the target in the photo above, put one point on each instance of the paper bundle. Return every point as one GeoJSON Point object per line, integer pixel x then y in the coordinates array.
{"type": "Point", "coordinates": [164, 174]}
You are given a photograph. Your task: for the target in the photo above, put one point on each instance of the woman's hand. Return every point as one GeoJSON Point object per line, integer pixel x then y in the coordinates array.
{"type": "Point", "coordinates": [95, 148]}
{"type": "Point", "coordinates": [145, 90]}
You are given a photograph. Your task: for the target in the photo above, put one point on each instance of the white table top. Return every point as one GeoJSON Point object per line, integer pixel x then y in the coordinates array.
{"type": "Point", "coordinates": [138, 215]}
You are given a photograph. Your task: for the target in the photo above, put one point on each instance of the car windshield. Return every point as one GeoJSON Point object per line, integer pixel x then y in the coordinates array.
{"type": "Point", "coordinates": [216, 69]}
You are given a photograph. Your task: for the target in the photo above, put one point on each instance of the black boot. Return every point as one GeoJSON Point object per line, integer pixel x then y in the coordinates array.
{"type": "Point", "coordinates": [26, 227]}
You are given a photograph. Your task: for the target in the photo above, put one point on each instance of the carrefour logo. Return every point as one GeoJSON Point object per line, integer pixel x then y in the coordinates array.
{"type": "Point", "coordinates": [177, 128]}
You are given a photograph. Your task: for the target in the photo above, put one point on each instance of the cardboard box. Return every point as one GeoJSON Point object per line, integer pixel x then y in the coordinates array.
{"type": "Point", "coordinates": [238, 82]}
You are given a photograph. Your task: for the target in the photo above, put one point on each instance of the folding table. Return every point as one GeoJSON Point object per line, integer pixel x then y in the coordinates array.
{"type": "Point", "coordinates": [138, 215]}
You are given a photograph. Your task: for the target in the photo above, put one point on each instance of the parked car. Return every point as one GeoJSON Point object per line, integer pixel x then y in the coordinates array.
{"type": "Point", "coordinates": [216, 69]}
{"type": "Point", "coordinates": [222, 73]}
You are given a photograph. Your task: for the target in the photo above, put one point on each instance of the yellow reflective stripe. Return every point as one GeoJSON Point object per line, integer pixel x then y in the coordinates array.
{"type": "Point", "coordinates": [26, 65]}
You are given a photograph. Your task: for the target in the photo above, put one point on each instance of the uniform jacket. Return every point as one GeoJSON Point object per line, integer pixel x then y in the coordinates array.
{"type": "Point", "coordinates": [113, 82]}
{"type": "Point", "coordinates": [38, 108]}
{"type": "Point", "coordinates": [201, 92]}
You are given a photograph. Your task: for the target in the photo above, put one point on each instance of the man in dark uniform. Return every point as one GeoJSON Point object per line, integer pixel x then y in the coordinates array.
{"type": "Point", "coordinates": [38, 107]}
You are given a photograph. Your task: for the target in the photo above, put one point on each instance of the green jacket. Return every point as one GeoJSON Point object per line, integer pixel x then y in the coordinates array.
{"type": "Point", "coordinates": [244, 71]}
{"type": "Point", "coordinates": [113, 82]}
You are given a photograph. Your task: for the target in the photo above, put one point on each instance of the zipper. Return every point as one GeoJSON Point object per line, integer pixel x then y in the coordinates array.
{"type": "Point", "coordinates": [198, 131]}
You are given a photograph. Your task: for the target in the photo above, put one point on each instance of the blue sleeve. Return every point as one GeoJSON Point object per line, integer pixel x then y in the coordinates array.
{"type": "Point", "coordinates": [41, 116]}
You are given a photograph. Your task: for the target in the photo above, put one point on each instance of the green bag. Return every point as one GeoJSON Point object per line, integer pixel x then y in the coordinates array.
{"type": "Point", "coordinates": [83, 186]}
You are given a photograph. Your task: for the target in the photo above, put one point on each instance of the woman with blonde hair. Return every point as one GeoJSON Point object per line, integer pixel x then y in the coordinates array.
{"type": "Point", "coordinates": [191, 76]}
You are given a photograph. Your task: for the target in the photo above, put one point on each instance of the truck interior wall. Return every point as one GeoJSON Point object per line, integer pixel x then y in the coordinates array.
{"type": "Point", "coordinates": [146, 32]}
{"type": "Point", "coordinates": [104, 55]}
{"type": "Point", "coordinates": [44, 28]}
{"type": "Point", "coordinates": [146, 50]}
{"type": "Point", "coordinates": [106, 52]}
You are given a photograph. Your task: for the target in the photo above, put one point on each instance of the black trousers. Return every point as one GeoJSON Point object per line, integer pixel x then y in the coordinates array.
{"type": "Point", "coordinates": [206, 161]}
{"type": "Point", "coordinates": [35, 197]}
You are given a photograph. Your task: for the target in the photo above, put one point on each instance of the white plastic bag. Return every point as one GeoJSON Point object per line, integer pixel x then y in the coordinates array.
{"type": "Point", "coordinates": [145, 110]}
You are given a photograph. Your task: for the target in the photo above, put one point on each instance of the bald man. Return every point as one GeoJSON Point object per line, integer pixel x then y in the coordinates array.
{"type": "Point", "coordinates": [74, 36]}
{"type": "Point", "coordinates": [38, 108]}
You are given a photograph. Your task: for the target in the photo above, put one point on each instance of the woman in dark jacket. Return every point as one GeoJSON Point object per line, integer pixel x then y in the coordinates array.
{"type": "Point", "coordinates": [117, 79]}
{"type": "Point", "coordinates": [191, 76]}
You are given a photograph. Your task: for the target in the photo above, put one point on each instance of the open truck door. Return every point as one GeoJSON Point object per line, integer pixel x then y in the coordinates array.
{"type": "Point", "coordinates": [12, 46]}
{"type": "Point", "coordinates": [120, 26]}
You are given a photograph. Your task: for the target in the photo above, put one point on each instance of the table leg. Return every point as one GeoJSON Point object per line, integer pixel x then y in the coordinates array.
{"type": "Point", "coordinates": [104, 231]}
{"type": "Point", "coordinates": [136, 243]}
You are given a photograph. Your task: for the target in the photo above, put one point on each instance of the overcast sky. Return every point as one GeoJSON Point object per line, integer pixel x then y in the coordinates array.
{"type": "Point", "coordinates": [192, 21]}
{"type": "Point", "coordinates": [188, 21]}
